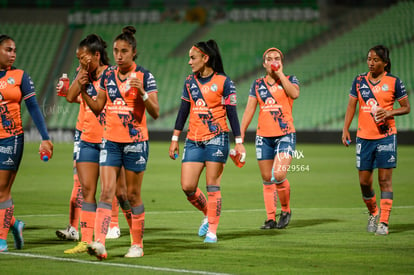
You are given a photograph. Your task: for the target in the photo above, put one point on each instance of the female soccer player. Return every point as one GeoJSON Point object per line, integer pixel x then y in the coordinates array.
{"type": "Point", "coordinates": [208, 97]}
{"type": "Point", "coordinates": [125, 137]}
{"type": "Point", "coordinates": [275, 135]}
{"type": "Point", "coordinates": [15, 85]}
{"type": "Point", "coordinates": [71, 232]}
{"type": "Point", "coordinates": [376, 142]}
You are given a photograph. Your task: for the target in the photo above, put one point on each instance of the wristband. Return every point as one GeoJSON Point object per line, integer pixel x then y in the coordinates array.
{"type": "Point", "coordinates": [239, 140]}
{"type": "Point", "coordinates": [174, 138]}
{"type": "Point", "coordinates": [145, 97]}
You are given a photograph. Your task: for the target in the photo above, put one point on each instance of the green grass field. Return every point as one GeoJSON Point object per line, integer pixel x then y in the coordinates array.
{"type": "Point", "coordinates": [326, 235]}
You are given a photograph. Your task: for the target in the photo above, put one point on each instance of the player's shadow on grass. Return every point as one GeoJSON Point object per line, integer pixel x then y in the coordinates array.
{"type": "Point", "coordinates": [399, 228]}
{"type": "Point", "coordinates": [312, 222]}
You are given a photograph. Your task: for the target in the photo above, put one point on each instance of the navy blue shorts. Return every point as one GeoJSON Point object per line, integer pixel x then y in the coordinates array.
{"type": "Point", "coordinates": [268, 147]}
{"type": "Point", "coordinates": [133, 156]}
{"type": "Point", "coordinates": [88, 152]}
{"type": "Point", "coordinates": [376, 153]}
{"type": "Point", "coordinates": [76, 140]}
{"type": "Point", "coordinates": [215, 149]}
{"type": "Point", "coordinates": [11, 152]}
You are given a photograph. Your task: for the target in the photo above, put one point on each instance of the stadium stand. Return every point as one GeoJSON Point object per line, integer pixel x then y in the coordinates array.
{"type": "Point", "coordinates": [324, 64]}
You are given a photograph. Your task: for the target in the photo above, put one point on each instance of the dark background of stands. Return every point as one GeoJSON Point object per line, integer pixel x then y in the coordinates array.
{"type": "Point", "coordinates": [48, 11]}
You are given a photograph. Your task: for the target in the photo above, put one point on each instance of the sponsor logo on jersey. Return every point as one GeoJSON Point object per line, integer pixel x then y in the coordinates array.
{"type": "Point", "coordinates": [263, 93]}
{"type": "Point", "coordinates": [112, 92]}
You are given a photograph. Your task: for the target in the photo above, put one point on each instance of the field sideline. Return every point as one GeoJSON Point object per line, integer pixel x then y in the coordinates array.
{"type": "Point", "coordinates": [326, 234]}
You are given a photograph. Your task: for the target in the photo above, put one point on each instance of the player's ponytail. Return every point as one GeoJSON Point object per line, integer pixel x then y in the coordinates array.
{"type": "Point", "coordinates": [211, 49]}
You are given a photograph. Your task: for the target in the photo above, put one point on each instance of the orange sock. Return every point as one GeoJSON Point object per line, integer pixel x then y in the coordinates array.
{"type": "Point", "coordinates": [270, 199]}
{"type": "Point", "coordinates": [371, 203]}
{"type": "Point", "coordinates": [102, 221]}
{"type": "Point", "coordinates": [115, 212]}
{"type": "Point", "coordinates": [214, 207]}
{"type": "Point", "coordinates": [386, 205]}
{"type": "Point", "coordinates": [198, 199]}
{"type": "Point", "coordinates": [283, 190]}
{"type": "Point", "coordinates": [6, 215]}
{"type": "Point", "coordinates": [137, 229]}
{"type": "Point", "coordinates": [75, 203]}
{"type": "Point", "coordinates": [87, 222]}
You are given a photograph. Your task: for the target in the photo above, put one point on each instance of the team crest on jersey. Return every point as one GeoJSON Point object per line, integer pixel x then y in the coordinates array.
{"type": "Point", "coordinates": [214, 87]}
{"type": "Point", "coordinates": [270, 101]}
{"type": "Point", "coordinates": [200, 102]}
{"type": "Point", "coordinates": [11, 80]}
{"type": "Point", "coordinates": [385, 87]}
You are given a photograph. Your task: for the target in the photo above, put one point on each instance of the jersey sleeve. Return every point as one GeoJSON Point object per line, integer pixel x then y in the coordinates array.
{"type": "Point", "coordinates": [400, 91]}
{"type": "Point", "coordinates": [185, 96]}
{"type": "Point", "coordinates": [150, 84]}
{"type": "Point", "coordinates": [229, 93]}
{"type": "Point", "coordinates": [353, 91]}
{"type": "Point", "coordinates": [252, 91]}
{"type": "Point", "coordinates": [27, 86]}
{"type": "Point", "coordinates": [293, 79]}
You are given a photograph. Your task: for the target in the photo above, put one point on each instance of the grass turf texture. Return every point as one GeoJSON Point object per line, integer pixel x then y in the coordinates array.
{"type": "Point", "coordinates": [327, 233]}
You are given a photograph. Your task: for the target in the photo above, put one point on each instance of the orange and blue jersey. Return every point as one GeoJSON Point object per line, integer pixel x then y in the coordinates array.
{"type": "Point", "coordinates": [125, 119]}
{"type": "Point", "coordinates": [383, 94]}
{"type": "Point", "coordinates": [208, 98]}
{"type": "Point", "coordinates": [92, 125]}
{"type": "Point", "coordinates": [275, 113]}
{"type": "Point", "coordinates": [16, 85]}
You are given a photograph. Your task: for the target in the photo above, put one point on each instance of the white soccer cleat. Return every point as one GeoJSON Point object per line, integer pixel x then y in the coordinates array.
{"type": "Point", "coordinates": [113, 233]}
{"type": "Point", "coordinates": [70, 233]}
{"type": "Point", "coordinates": [98, 250]}
{"type": "Point", "coordinates": [134, 252]}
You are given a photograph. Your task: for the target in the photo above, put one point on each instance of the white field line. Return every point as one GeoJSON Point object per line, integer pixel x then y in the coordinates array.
{"type": "Point", "coordinates": [102, 263]}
